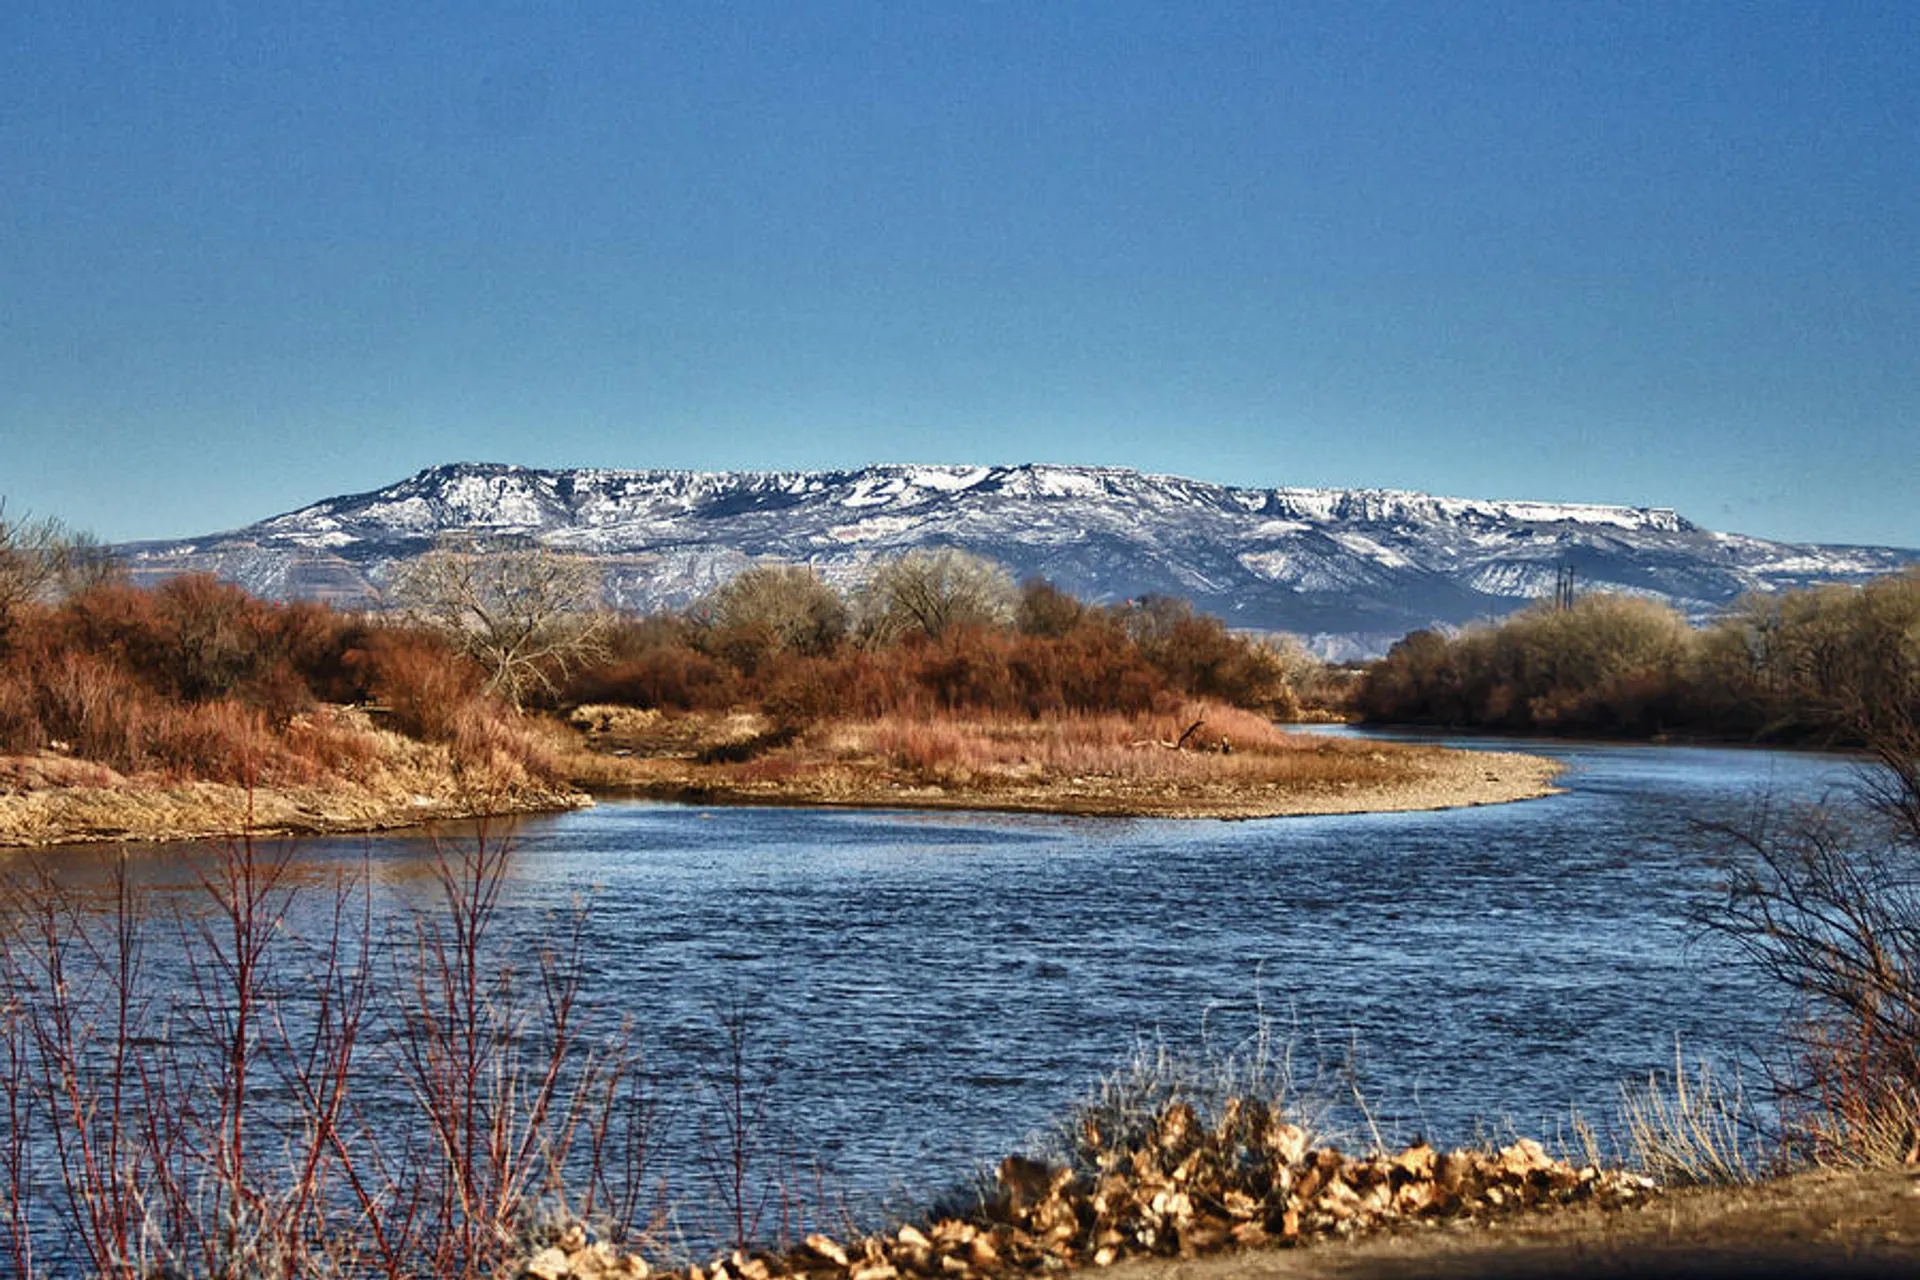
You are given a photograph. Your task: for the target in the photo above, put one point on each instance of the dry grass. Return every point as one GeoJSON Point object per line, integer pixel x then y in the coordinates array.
{"type": "Point", "coordinates": [1199, 759]}
{"type": "Point", "coordinates": [1687, 1130]}
{"type": "Point", "coordinates": [1201, 742]}
{"type": "Point", "coordinates": [330, 770]}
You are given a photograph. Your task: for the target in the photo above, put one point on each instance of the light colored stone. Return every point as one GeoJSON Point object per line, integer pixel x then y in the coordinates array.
{"type": "Point", "coordinates": [826, 1248]}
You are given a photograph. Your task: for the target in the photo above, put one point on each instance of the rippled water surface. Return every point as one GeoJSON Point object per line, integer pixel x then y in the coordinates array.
{"type": "Point", "coordinates": [935, 987]}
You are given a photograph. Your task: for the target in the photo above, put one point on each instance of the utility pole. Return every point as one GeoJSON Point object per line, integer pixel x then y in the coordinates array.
{"type": "Point", "coordinates": [1563, 588]}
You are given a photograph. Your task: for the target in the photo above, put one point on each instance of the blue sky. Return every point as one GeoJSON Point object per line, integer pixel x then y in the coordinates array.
{"type": "Point", "coordinates": [254, 254]}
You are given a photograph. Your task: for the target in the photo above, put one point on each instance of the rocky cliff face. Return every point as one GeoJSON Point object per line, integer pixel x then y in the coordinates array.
{"type": "Point", "coordinates": [1352, 570]}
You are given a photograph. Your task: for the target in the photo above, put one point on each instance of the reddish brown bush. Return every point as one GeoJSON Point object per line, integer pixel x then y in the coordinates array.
{"type": "Point", "coordinates": [20, 728]}
{"type": "Point", "coordinates": [1058, 657]}
{"type": "Point", "coordinates": [673, 677]}
{"type": "Point", "coordinates": [197, 679]}
{"type": "Point", "coordinates": [419, 680]}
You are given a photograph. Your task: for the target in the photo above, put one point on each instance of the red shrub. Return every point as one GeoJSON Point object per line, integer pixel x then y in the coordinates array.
{"type": "Point", "coordinates": [669, 676]}
{"type": "Point", "coordinates": [422, 683]}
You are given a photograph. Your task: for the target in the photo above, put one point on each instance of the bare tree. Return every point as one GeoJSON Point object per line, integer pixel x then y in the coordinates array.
{"type": "Point", "coordinates": [934, 591]}
{"type": "Point", "coordinates": [779, 607]}
{"type": "Point", "coordinates": [42, 558]}
{"type": "Point", "coordinates": [526, 613]}
{"type": "Point", "coordinates": [1825, 899]}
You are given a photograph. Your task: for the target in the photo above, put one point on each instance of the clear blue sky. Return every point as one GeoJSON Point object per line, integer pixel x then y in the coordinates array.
{"type": "Point", "coordinates": [257, 253]}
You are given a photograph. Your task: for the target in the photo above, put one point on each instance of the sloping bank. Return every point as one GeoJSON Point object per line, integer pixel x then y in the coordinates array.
{"type": "Point", "coordinates": [386, 781]}
{"type": "Point", "coordinates": [1171, 1186]}
{"type": "Point", "coordinates": [368, 778]}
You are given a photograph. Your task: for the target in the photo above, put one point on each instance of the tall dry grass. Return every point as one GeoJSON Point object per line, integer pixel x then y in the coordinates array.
{"type": "Point", "coordinates": [1690, 1128]}
{"type": "Point", "coordinates": [1197, 741]}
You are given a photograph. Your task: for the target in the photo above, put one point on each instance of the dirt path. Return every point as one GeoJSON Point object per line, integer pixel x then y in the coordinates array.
{"type": "Point", "coordinates": [1819, 1224]}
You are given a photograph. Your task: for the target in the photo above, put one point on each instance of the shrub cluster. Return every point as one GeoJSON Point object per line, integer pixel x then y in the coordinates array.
{"type": "Point", "coordinates": [783, 640]}
{"type": "Point", "coordinates": [197, 678]}
{"type": "Point", "coordinates": [1825, 664]}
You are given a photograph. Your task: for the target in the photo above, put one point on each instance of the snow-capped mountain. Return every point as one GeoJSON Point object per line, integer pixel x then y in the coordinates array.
{"type": "Point", "coordinates": [1351, 570]}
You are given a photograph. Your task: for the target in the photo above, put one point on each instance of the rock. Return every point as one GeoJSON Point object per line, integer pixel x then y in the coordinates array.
{"type": "Point", "coordinates": [1287, 1142]}
{"type": "Point", "coordinates": [1416, 1162]}
{"type": "Point", "coordinates": [1175, 1132]}
{"type": "Point", "coordinates": [591, 1261]}
{"type": "Point", "coordinates": [1337, 1200]}
{"type": "Point", "coordinates": [1454, 1173]}
{"type": "Point", "coordinates": [548, 1264]}
{"type": "Point", "coordinates": [1416, 1197]}
{"type": "Point", "coordinates": [1523, 1157]}
{"type": "Point", "coordinates": [1240, 1205]}
{"type": "Point", "coordinates": [826, 1248]}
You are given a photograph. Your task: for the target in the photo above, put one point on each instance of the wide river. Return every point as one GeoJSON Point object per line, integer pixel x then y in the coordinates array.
{"type": "Point", "coordinates": [935, 987]}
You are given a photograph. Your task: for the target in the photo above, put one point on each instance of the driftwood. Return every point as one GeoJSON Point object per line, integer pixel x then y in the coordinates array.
{"type": "Point", "coordinates": [1191, 729]}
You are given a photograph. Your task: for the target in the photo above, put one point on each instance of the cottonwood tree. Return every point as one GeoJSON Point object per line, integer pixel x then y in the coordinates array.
{"type": "Point", "coordinates": [1046, 610]}
{"type": "Point", "coordinates": [934, 591]}
{"type": "Point", "coordinates": [526, 613]}
{"type": "Point", "coordinates": [775, 608]}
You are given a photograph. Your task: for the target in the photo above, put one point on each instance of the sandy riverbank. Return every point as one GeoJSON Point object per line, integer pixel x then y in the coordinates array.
{"type": "Point", "coordinates": [1076, 767]}
{"type": "Point", "coordinates": [1437, 779]}
{"type": "Point", "coordinates": [1068, 767]}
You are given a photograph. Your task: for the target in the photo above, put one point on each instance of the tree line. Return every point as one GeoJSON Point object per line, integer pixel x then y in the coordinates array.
{"type": "Point", "coordinates": [934, 631]}
{"type": "Point", "coordinates": [1827, 665]}
{"type": "Point", "coordinates": [198, 677]}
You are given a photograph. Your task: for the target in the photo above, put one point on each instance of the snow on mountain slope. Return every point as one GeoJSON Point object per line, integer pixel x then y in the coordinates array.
{"type": "Point", "coordinates": [1352, 569]}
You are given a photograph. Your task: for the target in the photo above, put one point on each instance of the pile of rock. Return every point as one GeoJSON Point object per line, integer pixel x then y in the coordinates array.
{"type": "Point", "coordinates": [1176, 1187]}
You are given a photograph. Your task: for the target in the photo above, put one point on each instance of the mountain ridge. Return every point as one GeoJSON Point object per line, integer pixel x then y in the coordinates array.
{"type": "Point", "coordinates": [1351, 570]}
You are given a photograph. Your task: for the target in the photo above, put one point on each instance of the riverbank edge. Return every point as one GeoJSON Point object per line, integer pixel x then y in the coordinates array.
{"type": "Point", "coordinates": [50, 817]}
{"type": "Point", "coordinates": [55, 817]}
{"type": "Point", "coordinates": [1471, 779]}
{"type": "Point", "coordinates": [1828, 1222]}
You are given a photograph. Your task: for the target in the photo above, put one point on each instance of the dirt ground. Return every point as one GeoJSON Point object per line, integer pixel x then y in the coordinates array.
{"type": "Point", "coordinates": [1815, 1224]}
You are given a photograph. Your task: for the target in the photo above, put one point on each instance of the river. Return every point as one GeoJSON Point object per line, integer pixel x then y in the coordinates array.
{"type": "Point", "coordinates": [926, 990]}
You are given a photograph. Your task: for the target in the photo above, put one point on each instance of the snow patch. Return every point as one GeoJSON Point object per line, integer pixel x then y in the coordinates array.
{"type": "Point", "coordinates": [1361, 545]}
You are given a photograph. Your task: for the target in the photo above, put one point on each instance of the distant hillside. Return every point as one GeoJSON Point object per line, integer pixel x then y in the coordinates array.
{"type": "Point", "coordinates": [1351, 570]}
